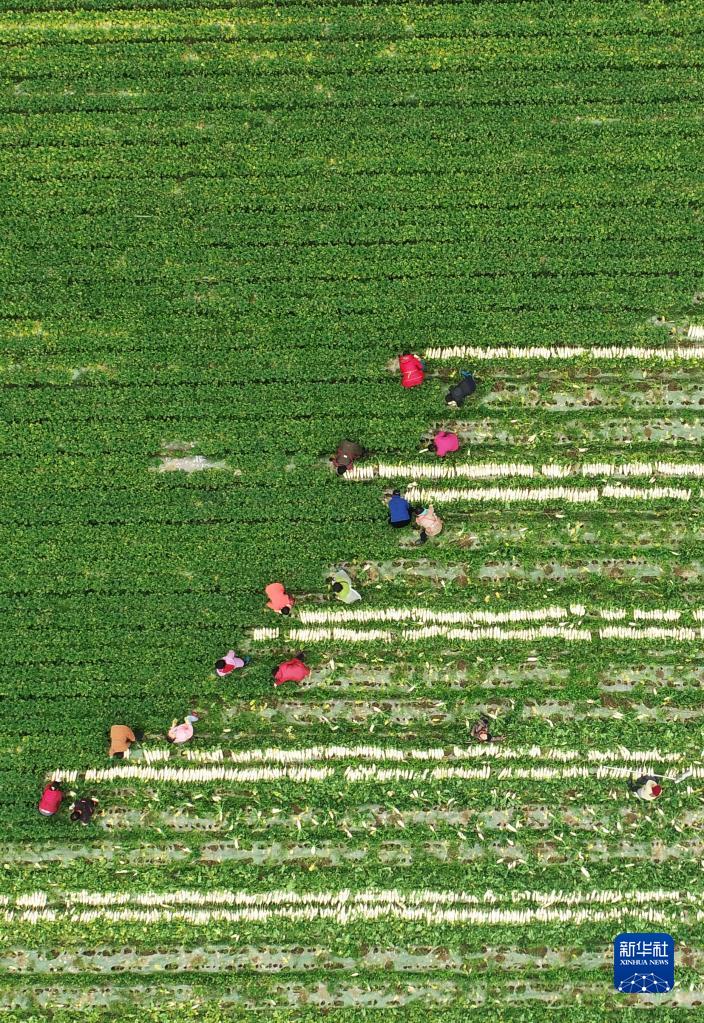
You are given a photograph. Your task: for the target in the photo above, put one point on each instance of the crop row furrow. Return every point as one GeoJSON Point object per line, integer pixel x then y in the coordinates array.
{"type": "Point", "coordinates": [383, 298]}
{"type": "Point", "coordinates": [289, 958]}
{"type": "Point", "coordinates": [377, 818]}
{"type": "Point", "coordinates": [258, 135]}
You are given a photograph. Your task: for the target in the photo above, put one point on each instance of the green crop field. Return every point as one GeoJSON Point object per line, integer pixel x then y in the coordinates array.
{"type": "Point", "coordinates": [222, 222]}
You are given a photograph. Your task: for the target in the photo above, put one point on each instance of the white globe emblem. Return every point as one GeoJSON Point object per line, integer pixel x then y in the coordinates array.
{"type": "Point", "coordinates": [644, 983]}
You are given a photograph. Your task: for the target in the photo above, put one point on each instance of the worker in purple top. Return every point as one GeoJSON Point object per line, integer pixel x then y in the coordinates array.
{"type": "Point", "coordinates": [83, 810]}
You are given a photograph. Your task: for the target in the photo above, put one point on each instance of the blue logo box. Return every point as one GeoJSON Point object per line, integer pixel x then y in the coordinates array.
{"type": "Point", "coordinates": [644, 963]}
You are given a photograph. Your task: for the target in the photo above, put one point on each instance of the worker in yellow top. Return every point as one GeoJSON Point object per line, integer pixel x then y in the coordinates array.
{"type": "Point", "coordinates": [342, 587]}
{"type": "Point", "coordinates": [121, 738]}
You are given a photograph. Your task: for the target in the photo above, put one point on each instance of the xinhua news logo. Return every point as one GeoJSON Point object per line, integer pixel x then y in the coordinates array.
{"type": "Point", "coordinates": [644, 963]}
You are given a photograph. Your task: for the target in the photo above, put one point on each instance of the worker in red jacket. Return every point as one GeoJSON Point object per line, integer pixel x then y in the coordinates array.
{"type": "Point", "coordinates": [51, 799]}
{"type": "Point", "coordinates": [294, 670]}
{"type": "Point", "coordinates": [412, 370]}
{"type": "Point", "coordinates": [279, 600]}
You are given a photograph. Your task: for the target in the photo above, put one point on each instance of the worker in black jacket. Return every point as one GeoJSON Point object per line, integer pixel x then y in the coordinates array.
{"type": "Point", "coordinates": [458, 394]}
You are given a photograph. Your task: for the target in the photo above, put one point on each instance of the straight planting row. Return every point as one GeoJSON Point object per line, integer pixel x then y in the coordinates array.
{"type": "Point", "coordinates": [519, 257]}
{"type": "Point", "coordinates": [522, 55]}
{"type": "Point", "coordinates": [573, 92]}
{"type": "Point", "coordinates": [338, 20]}
{"type": "Point", "coordinates": [387, 300]}
{"type": "Point", "coordinates": [260, 132]}
{"type": "Point", "coordinates": [302, 446]}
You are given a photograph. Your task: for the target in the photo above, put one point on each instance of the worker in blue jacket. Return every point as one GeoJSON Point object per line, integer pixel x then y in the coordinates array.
{"type": "Point", "coordinates": [400, 510]}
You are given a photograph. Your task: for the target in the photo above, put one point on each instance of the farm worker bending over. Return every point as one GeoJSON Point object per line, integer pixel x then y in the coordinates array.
{"type": "Point", "coordinates": [83, 810]}
{"type": "Point", "coordinates": [279, 599]}
{"type": "Point", "coordinates": [294, 670]}
{"type": "Point", "coordinates": [230, 662]}
{"type": "Point", "coordinates": [429, 523]}
{"type": "Point", "coordinates": [480, 731]}
{"type": "Point", "coordinates": [121, 738]}
{"type": "Point", "coordinates": [342, 587]}
{"type": "Point", "coordinates": [182, 733]}
{"type": "Point", "coordinates": [443, 443]}
{"type": "Point", "coordinates": [646, 787]}
{"type": "Point", "coordinates": [412, 370]}
{"type": "Point", "coordinates": [458, 394]}
{"type": "Point", "coordinates": [51, 799]}
{"type": "Point", "coordinates": [347, 454]}
{"type": "Point", "coordinates": [400, 510]}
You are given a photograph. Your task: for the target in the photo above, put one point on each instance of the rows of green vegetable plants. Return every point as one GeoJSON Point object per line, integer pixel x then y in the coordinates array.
{"type": "Point", "coordinates": [224, 223]}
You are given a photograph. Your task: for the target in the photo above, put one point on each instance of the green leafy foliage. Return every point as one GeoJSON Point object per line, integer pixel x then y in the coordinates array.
{"type": "Point", "coordinates": [223, 221]}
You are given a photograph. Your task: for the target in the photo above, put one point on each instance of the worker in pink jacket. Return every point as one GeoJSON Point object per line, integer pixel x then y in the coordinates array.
{"type": "Point", "coordinates": [279, 600]}
{"type": "Point", "coordinates": [429, 523]}
{"type": "Point", "coordinates": [230, 662]}
{"type": "Point", "coordinates": [182, 733]}
{"type": "Point", "coordinates": [294, 670]}
{"type": "Point", "coordinates": [412, 370]}
{"type": "Point", "coordinates": [443, 443]}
